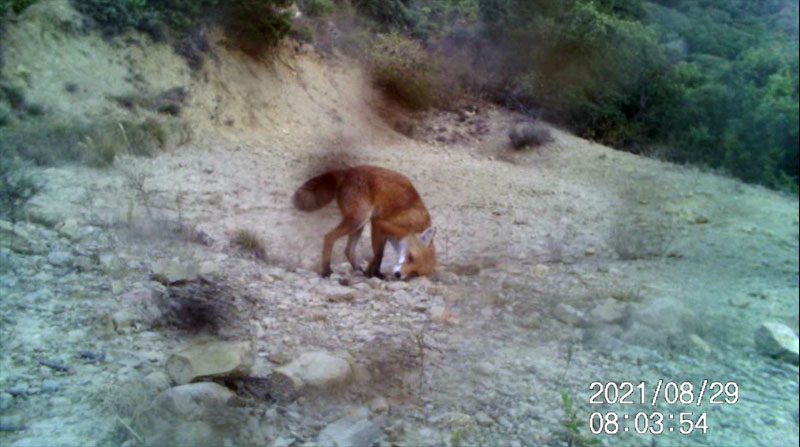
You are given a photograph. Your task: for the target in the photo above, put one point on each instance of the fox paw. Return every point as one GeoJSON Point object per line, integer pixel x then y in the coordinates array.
{"type": "Point", "coordinates": [326, 272]}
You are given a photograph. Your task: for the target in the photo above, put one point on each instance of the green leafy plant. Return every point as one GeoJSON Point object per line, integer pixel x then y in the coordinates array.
{"type": "Point", "coordinates": [574, 436]}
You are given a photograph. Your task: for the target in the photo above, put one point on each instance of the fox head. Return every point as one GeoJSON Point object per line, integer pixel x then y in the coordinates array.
{"type": "Point", "coordinates": [416, 255]}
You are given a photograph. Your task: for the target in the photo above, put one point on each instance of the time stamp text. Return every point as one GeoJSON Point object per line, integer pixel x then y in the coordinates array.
{"type": "Point", "coordinates": [686, 394]}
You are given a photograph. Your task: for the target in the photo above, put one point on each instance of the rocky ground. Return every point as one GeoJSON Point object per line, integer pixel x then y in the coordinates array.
{"type": "Point", "coordinates": [131, 318]}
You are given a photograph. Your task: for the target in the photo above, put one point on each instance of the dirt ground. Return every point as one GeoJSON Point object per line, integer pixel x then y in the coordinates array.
{"type": "Point", "coordinates": [561, 265]}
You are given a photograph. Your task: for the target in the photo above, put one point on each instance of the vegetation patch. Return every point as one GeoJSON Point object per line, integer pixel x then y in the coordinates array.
{"type": "Point", "coordinates": [17, 186]}
{"type": "Point", "coordinates": [253, 26]}
{"type": "Point", "coordinates": [403, 70]}
{"type": "Point", "coordinates": [47, 143]}
{"type": "Point", "coordinates": [249, 242]}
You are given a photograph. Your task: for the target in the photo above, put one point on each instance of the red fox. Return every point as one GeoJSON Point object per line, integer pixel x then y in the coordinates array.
{"type": "Point", "coordinates": [385, 198]}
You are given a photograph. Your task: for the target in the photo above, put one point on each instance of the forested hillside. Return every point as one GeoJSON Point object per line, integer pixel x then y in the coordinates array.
{"type": "Point", "coordinates": [713, 82]}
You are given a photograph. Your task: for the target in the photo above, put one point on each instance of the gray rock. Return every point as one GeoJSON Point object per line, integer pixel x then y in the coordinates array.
{"type": "Point", "coordinates": [316, 369]}
{"type": "Point", "coordinates": [193, 414]}
{"type": "Point", "coordinates": [778, 341]}
{"type": "Point", "coordinates": [60, 258]}
{"type": "Point", "coordinates": [485, 369]}
{"type": "Point", "coordinates": [483, 418]}
{"type": "Point", "coordinates": [124, 320]}
{"type": "Point", "coordinates": [350, 432]}
{"type": "Point", "coordinates": [13, 241]}
{"type": "Point", "coordinates": [211, 359]}
{"type": "Point", "coordinates": [609, 311]}
{"type": "Point", "coordinates": [157, 380]}
{"type": "Point", "coordinates": [145, 304]}
{"type": "Point", "coordinates": [194, 401]}
{"type": "Point", "coordinates": [6, 401]}
{"type": "Point", "coordinates": [568, 315]}
{"type": "Point", "coordinates": [378, 404]}
{"type": "Point", "coordinates": [70, 229]}
{"type": "Point", "coordinates": [49, 386]}
{"type": "Point", "coordinates": [171, 271]}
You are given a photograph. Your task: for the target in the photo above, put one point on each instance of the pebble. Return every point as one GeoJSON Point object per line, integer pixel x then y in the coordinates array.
{"type": "Point", "coordinates": [483, 419]}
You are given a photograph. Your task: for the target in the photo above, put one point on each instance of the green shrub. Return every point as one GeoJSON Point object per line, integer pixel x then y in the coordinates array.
{"type": "Point", "coordinates": [318, 8]}
{"type": "Point", "coordinates": [302, 33]}
{"type": "Point", "coordinates": [48, 143]}
{"type": "Point", "coordinates": [254, 26]}
{"type": "Point", "coordinates": [13, 94]}
{"type": "Point", "coordinates": [16, 187]}
{"type": "Point", "coordinates": [403, 70]}
{"type": "Point", "coordinates": [17, 6]}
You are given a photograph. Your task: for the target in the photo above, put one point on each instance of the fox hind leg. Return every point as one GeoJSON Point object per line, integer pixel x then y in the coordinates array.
{"type": "Point", "coordinates": [346, 226]}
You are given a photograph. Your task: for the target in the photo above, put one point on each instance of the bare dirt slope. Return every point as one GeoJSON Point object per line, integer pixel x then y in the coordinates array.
{"type": "Point", "coordinates": [563, 265]}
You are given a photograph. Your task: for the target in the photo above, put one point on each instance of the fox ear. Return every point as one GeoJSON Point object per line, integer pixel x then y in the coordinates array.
{"type": "Point", "coordinates": [427, 236]}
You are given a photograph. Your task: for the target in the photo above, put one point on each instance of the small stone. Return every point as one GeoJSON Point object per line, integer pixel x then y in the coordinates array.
{"type": "Point", "coordinates": [350, 432]}
{"type": "Point", "coordinates": [590, 252]}
{"type": "Point", "coordinates": [483, 419]}
{"type": "Point", "coordinates": [70, 229]}
{"type": "Point", "coordinates": [361, 375]}
{"type": "Point", "coordinates": [211, 359]}
{"type": "Point", "coordinates": [50, 386]}
{"type": "Point", "coordinates": [701, 220]}
{"type": "Point", "coordinates": [171, 271]}
{"type": "Point", "coordinates": [446, 277]}
{"type": "Point", "coordinates": [336, 293]}
{"type": "Point", "coordinates": [316, 369]}
{"type": "Point", "coordinates": [6, 401]}
{"type": "Point", "coordinates": [157, 380]}
{"type": "Point", "coordinates": [609, 311]}
{"type": "Point", "coordinates": [778, 341]}
{"type": "Point", "coordinates": [485, 369]}
{"type": "Point", "coordinates": [195, 401]}
{"type": "Point", "coordinates": [60, 258]}
{"type": "Point", "coordinates": [568, 315]}
{"type": "Point", "coordinates": [378, 404]}
{"type": "Point", "coordinates": [123, 319]}
{"type": "Point", "coordinates": [456, 419]}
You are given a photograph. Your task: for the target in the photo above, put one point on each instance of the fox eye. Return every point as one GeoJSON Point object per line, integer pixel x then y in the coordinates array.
{"type": "Point", "coordinates": [410, 257]}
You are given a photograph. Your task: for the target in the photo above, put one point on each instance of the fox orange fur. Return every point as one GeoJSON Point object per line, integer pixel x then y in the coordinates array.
{"type": "Point", "coordinates": [389, 201]}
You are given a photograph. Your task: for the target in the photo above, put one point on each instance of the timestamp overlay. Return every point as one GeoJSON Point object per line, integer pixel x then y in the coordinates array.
{"type": "Point", "coordinates": [658, 408]}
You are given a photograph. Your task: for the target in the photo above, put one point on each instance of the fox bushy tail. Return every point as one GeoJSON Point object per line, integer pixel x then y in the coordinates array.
{"type": "Point", "coordinates": [317, 192]}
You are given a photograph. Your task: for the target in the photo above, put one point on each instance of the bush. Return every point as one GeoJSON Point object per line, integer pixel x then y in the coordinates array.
{"type": "Point", "coordinates": [254, 26]}
{"type": "Point", "coordinates": [47, 143]}
{"type": "Point", "coordinates": [318, 8]}
{"type": "Point", "coordinates": [16, 187]}
{"type": "Point", "coordinates": [16, 6]}
{"type": "Point", "coordinates": [403, 70]}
